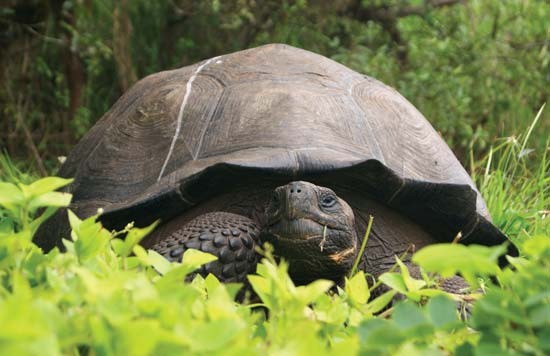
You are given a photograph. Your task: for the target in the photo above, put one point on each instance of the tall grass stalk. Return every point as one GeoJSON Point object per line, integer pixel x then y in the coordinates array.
{"type": "Point", "coordinates": [514, 181]}
{"type": "Point", "coordinates": [10, 172]}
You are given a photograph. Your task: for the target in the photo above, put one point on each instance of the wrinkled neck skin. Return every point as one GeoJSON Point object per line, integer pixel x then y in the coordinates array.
{"type": "Point", "coordinates": [313, 229]}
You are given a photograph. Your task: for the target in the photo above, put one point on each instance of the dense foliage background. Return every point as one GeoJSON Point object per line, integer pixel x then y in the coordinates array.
{"type": "Point", "coordinates": [477, 69]}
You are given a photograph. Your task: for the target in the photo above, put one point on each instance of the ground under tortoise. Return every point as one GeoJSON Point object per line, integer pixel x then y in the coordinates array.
{"type": "Point", "coordinates": [280, 144]}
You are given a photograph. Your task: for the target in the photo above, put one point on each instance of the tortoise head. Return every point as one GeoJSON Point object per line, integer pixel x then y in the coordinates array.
{"type": "Point", "coordinates": [313, 229]}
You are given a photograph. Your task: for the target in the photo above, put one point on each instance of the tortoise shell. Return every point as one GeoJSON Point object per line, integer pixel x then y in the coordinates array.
{"type": "Point", "coordinates": [180, 137]}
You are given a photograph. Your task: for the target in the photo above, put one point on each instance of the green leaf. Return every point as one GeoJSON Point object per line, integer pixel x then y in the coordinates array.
{"type": "Point", "coordinates": [123, 247]}
{"type": "Point", "coordinates": [193, 259]}
{"type": "Point", "coordinates": [412, 284]}
{"type": "Point", "coordinates": [215, 335]}
{"type": "Point", "coordinates": [394, 281]}
{"type": "Point", "coordinates": [311, 292]}
{"type": "Point", "coordinates": [378, 334]}
{"type": "Point", "coordinates": [137, 337]}
{"type": "Point", "coordinates": [10, 195]}
{"type": "Point", "coordinates": [380, 302]}
{"type": "Point", "coordinates": [497, 305]}
{"type": "Point", "coordinates": [55, 199]}
{"type": "Point", "coordinates": [6, 226]}
{"type": "Point", "coordinates": [74, 222]}
{"type": "Point", "coordinates": [46, 214]}
{"type": "Point", "coordinates": [408, 315]}
{"type": "Point", "coordinates": [450, 259]}
{"type": "Point", "coordinates": [44, 185]}
{"type": "Point", "coordinates": [158, 262]}
{"type": "Point", "coordinates": [357, 288]}
{"type": "Point", "coordinates": [90, 238]}
{"type": "Point", "coordinates": [442, 311]}
{"type": "Point", "coordinates": [212, 283]}
{"type": "Point", "coordinates": [262, 287]}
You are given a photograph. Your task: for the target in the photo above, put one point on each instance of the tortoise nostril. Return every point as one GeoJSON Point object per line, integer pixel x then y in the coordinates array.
{"type": "Point", "coordinates": [295, 188]}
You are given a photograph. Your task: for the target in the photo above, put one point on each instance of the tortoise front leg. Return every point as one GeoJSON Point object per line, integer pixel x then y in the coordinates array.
{"type": "Point", "coordinates": [230, 237]}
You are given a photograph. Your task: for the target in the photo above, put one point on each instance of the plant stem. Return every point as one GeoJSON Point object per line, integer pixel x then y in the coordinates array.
{"type": "Point", "coordinates": [363, 245]}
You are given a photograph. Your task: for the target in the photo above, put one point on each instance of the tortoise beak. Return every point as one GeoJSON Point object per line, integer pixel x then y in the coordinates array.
{"type": "Point", "coordinates": [295, 229]}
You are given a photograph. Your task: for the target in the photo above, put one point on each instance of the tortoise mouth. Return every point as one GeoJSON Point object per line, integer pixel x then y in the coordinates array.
{"type": "Point", "coordinates": [301, 229]}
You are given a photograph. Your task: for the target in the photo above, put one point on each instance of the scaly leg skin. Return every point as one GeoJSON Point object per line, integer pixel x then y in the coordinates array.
{"type": "Point", "coordinates": [230, 237]}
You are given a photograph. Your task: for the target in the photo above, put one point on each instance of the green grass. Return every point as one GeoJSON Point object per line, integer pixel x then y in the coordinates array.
{"type": "Point", "coordinates": [515, 183]}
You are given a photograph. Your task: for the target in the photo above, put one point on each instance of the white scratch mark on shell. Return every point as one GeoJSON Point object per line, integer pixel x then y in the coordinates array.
{"type": "Point", "coordinates": [188, 88]}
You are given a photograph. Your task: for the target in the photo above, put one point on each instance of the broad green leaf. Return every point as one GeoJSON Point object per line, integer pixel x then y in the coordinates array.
{"type": "Point", "coordinates": [44, 185]}
{"type": "Point", "coordinates": [90, 238]}
{"type": "Point", "coordinates": [263, 289]}
{"type": "Point", "coordinates": [158, 262]}
{"type": "Point", "coordinates": [469, 261]}
{"type": "Point", "coordinates": [311, 292]}
{"type": "Point", "coordinates": [442, 311]}
{"type": "Point", "coordinates": [175, 276]}
{"type": "Point", "coordinates": [411, 283]}
{"type": "Point", "coordinates": [10, 195]}
{"type": "Point", "coordinates": [74, 222]}
{"type": "Point", "coordinates": [137, 337]}
{"type": "Point", "coordinates": [193, 259]}
{"type": "Point", "coordinates": [394, 281]}
{"type": "Point", "coordinates": [408, 315]}
{"type": "Point", "coordinates": [55, 199]}
{"type": "Point", "coordinates": [379, 303]}
{"type": "Point", "coordinates": [212, 283]}
{"type": "Point", "coordinates": [379, 334]}
{"type": "Point", "coordinates": [357, 288]}
{"type": "Point", "coordinates": [215, 335]}
{"type": "Point", "coordinates": [118, 246]}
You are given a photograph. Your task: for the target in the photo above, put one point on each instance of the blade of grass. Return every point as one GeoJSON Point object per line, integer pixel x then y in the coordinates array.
{"type": "Point", "coordinates": [363, 246]}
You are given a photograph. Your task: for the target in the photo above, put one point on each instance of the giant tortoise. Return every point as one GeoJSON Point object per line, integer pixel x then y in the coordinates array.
{"type": "Point", "coordinates": [274, 144]}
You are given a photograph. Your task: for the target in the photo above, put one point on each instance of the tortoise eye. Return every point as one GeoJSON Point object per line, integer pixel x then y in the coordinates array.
{"type": "Point", "coordinates": [328, 201]}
